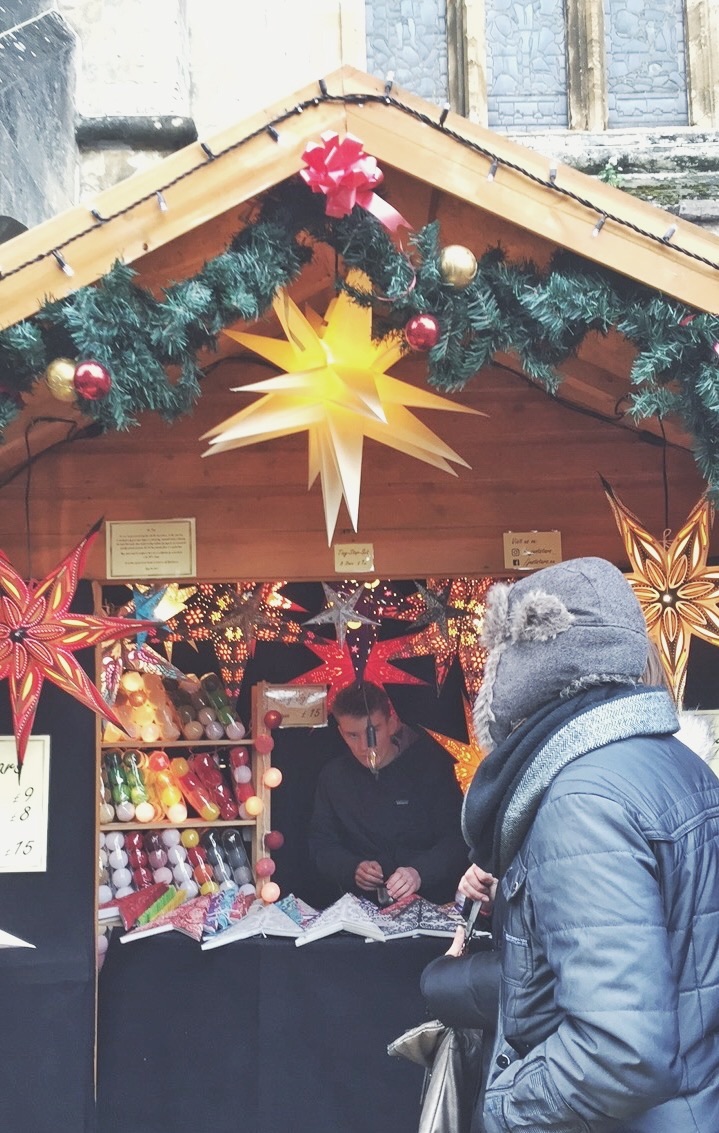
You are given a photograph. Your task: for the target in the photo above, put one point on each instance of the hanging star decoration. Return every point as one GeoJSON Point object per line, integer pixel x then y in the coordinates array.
{"type": "Point", "coordinates": [341, 611]}
{"type": "Point", "coordinates": [338, 670]}
{"type": "Point", "coordinates": [234, 618]}
{"type": "Point", "coordinates": [678, 592]}
{"type": "Point", "coordinates": [38, 637]}
{"type": "Point", "coordinates": [467, 756]}
{"type": "Point", "coordinates": [159, 604]}
{"type": "Point", "coordinates": [128, 656]}
{"type": "Point", "coordinates": [451, 614]}
{"type": "Point", "coordinates": [335, 387]}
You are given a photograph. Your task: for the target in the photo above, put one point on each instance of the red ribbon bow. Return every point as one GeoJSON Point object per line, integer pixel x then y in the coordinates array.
{"type": "Point", "coordinates": [347, 176]}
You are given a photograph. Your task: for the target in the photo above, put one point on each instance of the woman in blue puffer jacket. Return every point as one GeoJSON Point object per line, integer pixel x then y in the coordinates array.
{"type": "Point", "coordinates": [604, 832]}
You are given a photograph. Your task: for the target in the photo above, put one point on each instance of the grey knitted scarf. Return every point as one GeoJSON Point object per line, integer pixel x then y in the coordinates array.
{"type": "Point", "coordinates": [506, 792]}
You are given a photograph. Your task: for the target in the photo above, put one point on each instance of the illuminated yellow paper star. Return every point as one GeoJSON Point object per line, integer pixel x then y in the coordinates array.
{"type": "Point", "coordinates": [678, 592]}
{"type": "Point", "coordinates": [336, 388]}
{"type": "Point", "coordinates": [467, 756]}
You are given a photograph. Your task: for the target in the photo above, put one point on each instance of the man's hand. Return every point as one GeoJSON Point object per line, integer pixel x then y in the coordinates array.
{"type": "Point", "coordinates": [479, 885]}
{"type": "Point", "coordinates": [404, 881]}
{"type": "Point", "coordinates": [368, 875]}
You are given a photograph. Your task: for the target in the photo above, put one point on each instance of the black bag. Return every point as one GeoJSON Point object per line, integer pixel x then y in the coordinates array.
{"type": "Point", "coordinates": [452, 1058]}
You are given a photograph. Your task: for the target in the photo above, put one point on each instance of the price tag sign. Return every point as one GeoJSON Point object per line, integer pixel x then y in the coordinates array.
{"type": "Point", "coordinates": [23, 806]}
{"type": "Point", "coordinates": [302, 706]}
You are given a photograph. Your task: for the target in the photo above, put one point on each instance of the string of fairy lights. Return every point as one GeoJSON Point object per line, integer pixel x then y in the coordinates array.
{"type": "Point", "coordinates": [496, 164]}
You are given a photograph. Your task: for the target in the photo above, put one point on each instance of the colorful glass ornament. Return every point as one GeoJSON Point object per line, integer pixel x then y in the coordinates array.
{"type": "Point", "coordinates": [92, 380]}
{"type": "Point", "coordinates": [422, 332]}
{"type": "Point", "coordinates": [467, 756]}
{"type": "Point", "coordinates": [38, 637]}
{"type": "Point", "coordinates": [336, 388]}
{"type": "Point", "coordinates": [59, 376]}
{"type": "Point", "coordinates": [457, 265]}
{"type": "Point", "coordinates": [677, 591]}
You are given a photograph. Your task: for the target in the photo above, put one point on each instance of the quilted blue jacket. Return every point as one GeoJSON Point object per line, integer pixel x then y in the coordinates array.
{"type": "Point", "coordinates": [609, 1014]}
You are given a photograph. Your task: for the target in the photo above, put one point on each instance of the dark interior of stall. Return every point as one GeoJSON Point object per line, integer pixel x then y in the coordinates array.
{"type": "Point", "coordinates": [258, 1035]}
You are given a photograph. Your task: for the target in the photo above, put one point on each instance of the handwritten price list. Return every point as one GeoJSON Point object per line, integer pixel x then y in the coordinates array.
{"type": "Point", "coordinates": [23, 806]}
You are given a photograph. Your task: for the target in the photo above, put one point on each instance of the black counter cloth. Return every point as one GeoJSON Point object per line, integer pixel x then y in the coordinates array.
{"type": "Point", "coordinates": [259, 1036]}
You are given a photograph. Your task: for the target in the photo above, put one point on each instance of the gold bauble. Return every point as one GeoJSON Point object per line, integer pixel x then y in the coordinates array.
{"type": "Point", "coordinates": [457, 265]}
{"type": "Point", "coordinates": [60, 376]}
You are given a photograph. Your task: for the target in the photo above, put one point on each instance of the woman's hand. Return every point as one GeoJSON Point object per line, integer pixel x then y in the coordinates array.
{"type": "Point", "coordinates": [478, 885]}
{"type": "Point", "coordinates": [459, 941]}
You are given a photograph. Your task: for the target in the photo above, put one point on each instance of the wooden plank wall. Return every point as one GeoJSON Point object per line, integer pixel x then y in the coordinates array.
{"type": "Point", "coordinates": [535, 465]}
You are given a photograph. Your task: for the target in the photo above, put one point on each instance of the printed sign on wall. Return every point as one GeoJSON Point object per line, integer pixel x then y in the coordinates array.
{"type": "Point", "coordinates": [24, 806]}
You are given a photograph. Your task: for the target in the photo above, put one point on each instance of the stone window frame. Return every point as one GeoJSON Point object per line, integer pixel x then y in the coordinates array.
{"type": "Point", "coordinates": [586, 62]}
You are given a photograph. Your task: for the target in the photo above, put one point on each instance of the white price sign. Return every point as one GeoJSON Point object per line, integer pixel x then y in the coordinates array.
{"type": "Point", "coordinates": [301, 706]}
{"type": "Point", "coordinates": [23, 806]}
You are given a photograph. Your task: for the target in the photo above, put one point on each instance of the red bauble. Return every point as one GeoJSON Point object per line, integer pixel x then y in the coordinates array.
{"type": "Point", "coordinates": [274, 840]}
{"type": "Point", "coordinates": [273, 718]}
{"type": "Point", "coordinates": [92, 381]}
{"type": "Point", "coordinates": [422, 332]}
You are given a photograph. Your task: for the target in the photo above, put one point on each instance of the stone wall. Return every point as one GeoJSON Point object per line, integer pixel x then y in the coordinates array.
{"type": "Point", "coordinates": [37, 111]}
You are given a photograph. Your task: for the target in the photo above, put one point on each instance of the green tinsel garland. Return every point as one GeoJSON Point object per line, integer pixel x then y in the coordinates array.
{"type": "Point", "coordinates": [508, 307]}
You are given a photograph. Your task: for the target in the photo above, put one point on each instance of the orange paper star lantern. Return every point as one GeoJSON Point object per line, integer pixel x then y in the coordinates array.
{"type": "Point", "coordinates": [38, 638]}
{"type": "Point", "coordinates": [467, 756]}
{"type": "Point", "coordinates": [678, 592]}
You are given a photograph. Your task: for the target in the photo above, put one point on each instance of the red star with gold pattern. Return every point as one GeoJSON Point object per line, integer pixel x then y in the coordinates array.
{"type": "Point", "coordinates": [467, 756]}
{"type": "Point", "coordinates": [38, 637]}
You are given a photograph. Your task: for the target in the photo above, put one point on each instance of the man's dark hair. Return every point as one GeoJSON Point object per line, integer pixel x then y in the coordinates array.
{"type": "Point", "coordinates": [361, 698]}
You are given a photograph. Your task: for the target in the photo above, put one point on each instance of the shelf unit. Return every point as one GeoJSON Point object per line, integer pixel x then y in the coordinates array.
{"type": "Point", "coordinates": [258, 764]}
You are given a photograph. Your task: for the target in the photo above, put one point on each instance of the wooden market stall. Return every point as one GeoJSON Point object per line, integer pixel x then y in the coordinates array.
{"type": "Point", "coordinates": [534, 460]}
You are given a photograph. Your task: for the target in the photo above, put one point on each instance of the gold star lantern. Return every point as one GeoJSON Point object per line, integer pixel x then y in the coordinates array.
{"type": "Point", "coordinates": [678, 592]}
{"type": "Point", "coordinates": [335, 387]}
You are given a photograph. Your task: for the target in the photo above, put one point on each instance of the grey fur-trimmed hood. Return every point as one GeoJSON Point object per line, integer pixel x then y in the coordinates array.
{"type": "Point", "coordinates": [564, 628]}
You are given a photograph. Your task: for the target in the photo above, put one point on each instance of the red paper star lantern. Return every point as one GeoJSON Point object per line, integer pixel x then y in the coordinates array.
{"type": "Point", "coordinates": [337, 669]}
{"type": "Point", "coordinates": [38, 638]}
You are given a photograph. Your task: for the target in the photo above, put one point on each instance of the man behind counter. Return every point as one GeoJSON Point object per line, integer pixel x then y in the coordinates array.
{"type": "Point", "coordinates": [387, 811]}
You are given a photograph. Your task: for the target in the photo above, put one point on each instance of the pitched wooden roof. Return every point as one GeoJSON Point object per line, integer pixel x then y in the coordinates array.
{"type": "Point", "coordinates": [483, 187]}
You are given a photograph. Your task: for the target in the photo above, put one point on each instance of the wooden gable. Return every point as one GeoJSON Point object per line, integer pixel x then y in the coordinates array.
{"type": "Point", "coordinates": [534, 460]}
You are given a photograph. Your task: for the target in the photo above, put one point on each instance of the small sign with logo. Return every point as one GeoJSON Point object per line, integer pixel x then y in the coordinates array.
{"type": "Point", "coordinates": [531, 550]}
